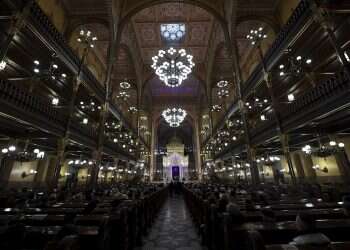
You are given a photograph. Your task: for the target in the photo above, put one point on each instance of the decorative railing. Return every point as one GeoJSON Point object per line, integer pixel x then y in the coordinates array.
{"type": "Point", "coordinates": [43, 24]}
{"type": "Point", "coordinates": [85, 130]}
{"type": "Point", "coordinates": [323, 91]}
{"type": "Point", "coordinates": [297, 19]}
{"type": "Point", "coordinates": [29, 102]}
{"type": "Point", "coordinates": [45, 27]}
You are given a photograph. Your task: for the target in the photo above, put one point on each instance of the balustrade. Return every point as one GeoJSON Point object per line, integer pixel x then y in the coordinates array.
{"type": "Point", "coordinates": [29, 102]}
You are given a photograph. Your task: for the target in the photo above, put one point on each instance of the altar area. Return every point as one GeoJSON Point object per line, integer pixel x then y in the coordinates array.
{"type": "Point", "coordinates": [175, 163]}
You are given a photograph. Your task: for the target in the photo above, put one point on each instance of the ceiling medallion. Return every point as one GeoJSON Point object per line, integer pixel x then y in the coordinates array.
{"type": "Point", "coordinates": [173, 66]}
{"type": "Point", "coordinates": [174, 116]}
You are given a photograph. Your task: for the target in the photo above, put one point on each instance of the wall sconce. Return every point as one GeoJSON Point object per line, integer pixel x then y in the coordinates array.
{"type": "Point", "coordinates": [31, 172]}
{"type": "Point", "coordinates": [318, 168]}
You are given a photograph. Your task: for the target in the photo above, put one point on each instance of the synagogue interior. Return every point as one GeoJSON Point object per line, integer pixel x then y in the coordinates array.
{"type": "Point", "coordinates": [174, 125]}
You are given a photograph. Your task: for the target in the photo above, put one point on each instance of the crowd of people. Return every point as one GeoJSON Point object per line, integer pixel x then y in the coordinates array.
{"type": "Point", "coordinates": [227, 216]}
{"type": "Point", "coordinates": [134, 206]}
{"type": "Point", "coordinates": [223, 212]}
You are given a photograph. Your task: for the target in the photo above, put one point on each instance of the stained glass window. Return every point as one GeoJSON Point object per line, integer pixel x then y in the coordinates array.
{"type": "Point", "coordinates": [173, 32]}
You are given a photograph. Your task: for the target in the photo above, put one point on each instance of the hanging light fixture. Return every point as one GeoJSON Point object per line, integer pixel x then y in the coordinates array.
{"type": "Point", "coordinates": [174, 116]}
{"type": "Point", "coordinates": [295, 66]}
{"type": "Point", "coordinates": [2, 65]}
{"type": "Point", "coordinates": [173, 66]}
{"type": "Point", "coordinates": [125, 85]}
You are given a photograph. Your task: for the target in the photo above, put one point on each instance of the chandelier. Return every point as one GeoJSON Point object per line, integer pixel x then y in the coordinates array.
{"type": "Point", "coordinates": [174, 116]}
{"type": "Point", "coordinates": [324, 149]}
{"type": "Point", "coordinates": [173, 66]}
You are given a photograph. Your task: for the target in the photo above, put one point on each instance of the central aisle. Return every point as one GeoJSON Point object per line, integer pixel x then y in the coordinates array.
{"type": "Point", "coordinates": [173, 229]}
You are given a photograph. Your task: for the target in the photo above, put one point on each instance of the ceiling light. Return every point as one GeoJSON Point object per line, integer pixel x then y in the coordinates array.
{"type": "Point", "coordinates": [291, 97]}
{"type": "Point", "coordinates": [124, 85]}
{"type": "Point", "coordinates": [173, 66]}
{"type": "Point", "coordinates": [341, 144]}
{"type": "Point", "coordinates": [222, 93]}
{"type": "Point", "coordinates": [263, 117]}
{"type": "Point", "coordinates": [55, 101]}
{"type": "Point", "coordinates": [216, 108]}
{"type": "Point", "coordinates": [85, 121]}
{"type": "Point", "coordinates": [4, 151]}
{"type": "Point", "coordinates": [2, 65]}
{"type": "Point", "coordinates": [12, 148]}
{"type": "Point", "coordinates": [222, 84]}
{"type": "Point", "coordinates": [174, 116]}
{"type": "Point", "coordinates": [332, 143]}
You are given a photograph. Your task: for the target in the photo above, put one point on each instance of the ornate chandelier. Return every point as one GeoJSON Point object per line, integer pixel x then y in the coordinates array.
{"type": "Point", "coordinates": [173, 66]}
{"type": "Point", "coordinates": [174, 116]}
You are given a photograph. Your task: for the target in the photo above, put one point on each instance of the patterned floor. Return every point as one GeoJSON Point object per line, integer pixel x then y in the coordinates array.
{"type": "Point", "coordinates": [173, 229]}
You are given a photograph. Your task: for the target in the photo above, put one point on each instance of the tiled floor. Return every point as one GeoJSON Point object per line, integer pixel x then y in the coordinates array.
{"type": "Point", "coordinates": [173, 229]}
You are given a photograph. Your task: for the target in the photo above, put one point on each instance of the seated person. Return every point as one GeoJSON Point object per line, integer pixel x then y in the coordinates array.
{"type": "Point", "coordinates": [255, 241]}
{"type": "Point", "coordinates": [309, 238]}
{"type": "Point", "coordinates": [268, 215]}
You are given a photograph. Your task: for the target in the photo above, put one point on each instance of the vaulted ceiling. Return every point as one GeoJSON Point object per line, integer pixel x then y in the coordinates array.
{"type": "Point", "coordinates": [141, 39]}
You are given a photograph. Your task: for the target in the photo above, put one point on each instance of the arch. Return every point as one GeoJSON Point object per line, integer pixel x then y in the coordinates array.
{"type": "Point", "coordinates": [219, 46]}
{"type": "Point", "coordinates": [149, 3]}
{"type": "Point", "coordinates": [77, 22]}
{"type": "Point", "coordinates": [271, 22]}
{"type": "Point", "coordinates": [152, 75]}
{"type": "Point", "coordinates": [125, 47]}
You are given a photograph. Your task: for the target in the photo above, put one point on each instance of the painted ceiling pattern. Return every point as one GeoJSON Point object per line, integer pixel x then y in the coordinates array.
{"type": "Point", "coordinates": [141, 39]}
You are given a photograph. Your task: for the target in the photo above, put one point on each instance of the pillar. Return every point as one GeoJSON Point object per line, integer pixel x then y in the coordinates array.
{"type": "Point", "coordinates": [285, 147]}
{"type": "Point", "coordinates": [344, 166]}
{"type": "Point", "coordinates": [5, 171]}
{"type": "Point", "coordinates": [52, 161]}
{"type": "Point", "coordinates": [198, 150]}
{"type": "Point", "coordinates": [298, 166]}
{"type": "Point", "coordinates": [59, 161]}
{"type": "Point", "coordinates": [308, 164]}
{"type": "Point", "coordinates": [42, 170]}
{"type": "Point", "coordinates": [254, 171]}
{"type": "Point", "coordinates": [153, 149]}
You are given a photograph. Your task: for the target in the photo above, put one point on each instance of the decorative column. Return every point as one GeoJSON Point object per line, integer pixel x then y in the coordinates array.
{"type": "Point", "coordinates": [42, 168]}
{"type": "Point", "coordinates": [343, 164]}
{"type": "Point", "coordinates": [257, 38]}
{"type": "Point", "coordinates": [87, 40]}
{"type": "Point", "coordinates": [58, 162]}
{"type": "Point", "coordinates": [5, 171]}
{"type": "Point", "coordinates": [198, 149]}
{"type": "Point", "coordinates": [285, 147]}
{"type": "Point", "coordinates": [298, 166]}
{"type": "Point", "coordinates": [153, 149]}
{"type": "Point", "coordinates": [342, 161]}
{"type": "Point", "coordinates": [237, 74]}
{"type": "Point", "coordinates": [254, 171]}
{"type": "Point", "coordinates": [308, 164]}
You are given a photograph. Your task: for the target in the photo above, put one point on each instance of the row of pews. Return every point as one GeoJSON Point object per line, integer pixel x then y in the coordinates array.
{"type": "Point", "coordinates": [220, 231]}
{"type": "Point", "coordinates": [110, 224]}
